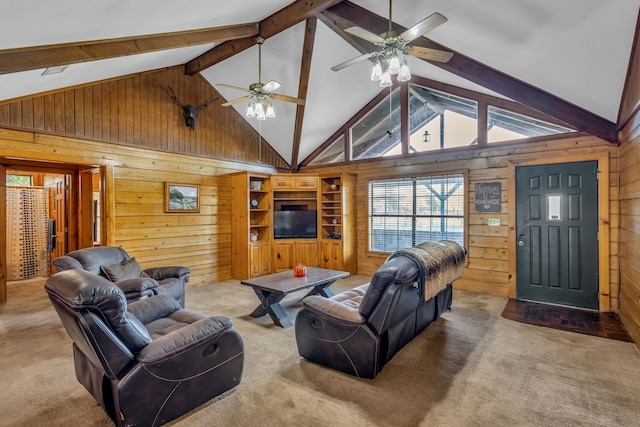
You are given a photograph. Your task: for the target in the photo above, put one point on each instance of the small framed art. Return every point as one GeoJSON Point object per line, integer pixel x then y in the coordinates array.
{"type": "Point", "coordinates": [181, 198]}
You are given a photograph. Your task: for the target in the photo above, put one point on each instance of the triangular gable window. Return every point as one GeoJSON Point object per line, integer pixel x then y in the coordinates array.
{"type": "Point", "coordinates": [504, 125]}
{"type": "Point", "coordinates": [333, 154]}
{"type": "Point", "coordinates": [436, 120]}
{"type": "Point", "coordinates": [377, 134]}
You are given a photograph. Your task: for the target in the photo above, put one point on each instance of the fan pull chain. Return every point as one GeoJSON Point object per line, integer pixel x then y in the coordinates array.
{"type": "Point", "coordinates": [390, 110]}
{"type": "Point", "coordinates": [259, 141]}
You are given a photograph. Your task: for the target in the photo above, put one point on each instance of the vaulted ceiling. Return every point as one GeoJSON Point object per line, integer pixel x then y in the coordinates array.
{"type": "Point", "coordinates": [566, 59]}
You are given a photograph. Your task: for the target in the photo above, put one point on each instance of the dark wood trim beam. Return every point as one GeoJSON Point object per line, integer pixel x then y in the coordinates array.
{"type": "Point", "coordinates": [303, 86]}
{"type": "Point", "coordinates": [337, 25]}
{"type": "Point", "coordinates": [36, 57]}
{"type": "Point", "coordinates": [405, 133]}
{"type": "Point", "coordinates": [490, 78]}
{"type": "Point", "coordinates": [287, 17]}
{"type": "Point", "coordinates": [218, 54]}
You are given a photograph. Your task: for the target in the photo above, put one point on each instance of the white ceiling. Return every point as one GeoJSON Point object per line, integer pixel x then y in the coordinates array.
{"type": "Point", "coordinates": [577, 50]}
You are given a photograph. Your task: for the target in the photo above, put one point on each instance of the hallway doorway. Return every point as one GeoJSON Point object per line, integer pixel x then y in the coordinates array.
{"type": "Point", "coordinates": [72, 209]}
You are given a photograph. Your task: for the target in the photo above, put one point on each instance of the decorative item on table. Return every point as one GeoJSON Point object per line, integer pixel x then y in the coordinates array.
{"type": "Point", "coordinates": [300, 270]}
{"type": "Point", "coordinates": [253, 235]}
{"type": "Point", "coordinates": [334, 187]}
{"type": "Point", "coordinates": [255, 185]}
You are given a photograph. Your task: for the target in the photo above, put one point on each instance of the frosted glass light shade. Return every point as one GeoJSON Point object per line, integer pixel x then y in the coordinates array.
{"type": "Point", "coordinates": [385, 80]}
{"type": "Point", "coordinates": [260, 114]}
{"type": "Point", "coordinates": [376, 72]}
{"type": "Point", "coordinates": [251, 112]}
{"type": "Point", "coordinates": [394, 65]}
{"type": "Point", "coordinates": [271, 113]}
{"type": "Point", "coordinates": [404, 75]}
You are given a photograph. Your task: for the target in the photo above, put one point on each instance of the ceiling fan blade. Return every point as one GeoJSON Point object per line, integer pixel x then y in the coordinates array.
{"type": "Point", "coordinates": [352, 61]}
{"type": "Point", "coordinates": [430, 54]}
{"type": "Point", "coordinates": [286, 98]}
{"type": "Point", "coordinates": [271, 86]}
{"type": "Point", "coordinates": [244, 89]}
{"type": "Point", "coordinates": [427, 24]}
{"type": "Point", "coordinates": [235, 101]}
{"type": "Point", "coordinates": [364, 34]}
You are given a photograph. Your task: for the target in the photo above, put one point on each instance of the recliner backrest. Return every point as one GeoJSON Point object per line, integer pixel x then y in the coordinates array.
{"type": "Point", "coordinates": [91, 259]}
{"type": "Point", "coordinates": [391, 293]}
{"type": "Point", "coordinates": [94, 313]}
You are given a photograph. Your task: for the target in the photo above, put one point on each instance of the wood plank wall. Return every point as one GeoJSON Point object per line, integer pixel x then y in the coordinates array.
{"type": "Point", "coordinates": [630, 199]}
{"type": "Point", "coordinates": [136, 177]}
{"type": "Point", "coordinates": [137, 111]}
{"type": "Point", "coordinates": [489, 253]}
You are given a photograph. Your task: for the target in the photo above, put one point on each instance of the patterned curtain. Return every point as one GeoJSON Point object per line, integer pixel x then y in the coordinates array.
{"type": "Point", "coordinates": [27, 230]}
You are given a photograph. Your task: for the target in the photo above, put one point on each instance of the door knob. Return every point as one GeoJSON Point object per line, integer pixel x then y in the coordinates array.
{"type": "Point", "coordinates": [521, 243]}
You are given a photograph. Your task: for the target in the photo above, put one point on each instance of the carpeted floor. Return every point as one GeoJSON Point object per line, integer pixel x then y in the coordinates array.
{"type": "Point", "coordinates": [605, 325]}
{"type": "Point", "coordinates": [472, 367]}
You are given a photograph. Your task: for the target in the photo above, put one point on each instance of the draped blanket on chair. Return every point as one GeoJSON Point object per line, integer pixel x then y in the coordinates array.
{"type": "Point", "coordinates": [440, 263]}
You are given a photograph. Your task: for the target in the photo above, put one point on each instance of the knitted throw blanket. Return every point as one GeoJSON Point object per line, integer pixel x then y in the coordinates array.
{"type": "Point", "coordinates": [440, 263]}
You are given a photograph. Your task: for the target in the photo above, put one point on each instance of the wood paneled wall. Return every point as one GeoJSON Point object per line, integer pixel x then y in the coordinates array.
{"type": "Point", "coordinates": [136, 219]}
{"type": "Point", "coordinates": [488, 270]}
{"type": "Point", "coordinates": [138, 111]}
{"type": "Point", "coordinates": [630, 199]}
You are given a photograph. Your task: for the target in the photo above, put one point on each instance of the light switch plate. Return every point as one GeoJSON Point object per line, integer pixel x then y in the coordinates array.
{"type": "Point", "coordinates": [494, 222]}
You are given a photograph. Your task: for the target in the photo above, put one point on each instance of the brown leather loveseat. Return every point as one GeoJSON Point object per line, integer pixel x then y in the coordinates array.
{"type": "Point", "coordinates": [114, 264]}
{"type": "Point", "coordinates": [359, 330]}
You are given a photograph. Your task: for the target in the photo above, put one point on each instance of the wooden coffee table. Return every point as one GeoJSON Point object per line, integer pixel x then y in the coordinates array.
{"type": "Point", "coordinates": [272, 288]}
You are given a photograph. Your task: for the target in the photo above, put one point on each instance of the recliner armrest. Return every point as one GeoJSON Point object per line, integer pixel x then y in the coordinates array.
{"type": "Point", "coordinates": [137, 284]}
{"type": "Point", "coordinates": [183, 339]}
{"type": "Point", "coordinates": [153, 308]}
{"type": "Point", "coordinates": [333, 309]}
{"type": "Point", "coordinates": [66, 262]}
{"type": "Point", "coordinates": [160, 273]}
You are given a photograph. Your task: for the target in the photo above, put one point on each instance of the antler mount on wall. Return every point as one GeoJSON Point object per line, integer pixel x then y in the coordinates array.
{"type": "Point", "coordinates": [190, 112]}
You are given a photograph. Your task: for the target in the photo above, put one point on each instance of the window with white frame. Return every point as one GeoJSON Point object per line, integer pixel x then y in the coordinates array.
{"type": "Point", "coordinates": [408, 211]}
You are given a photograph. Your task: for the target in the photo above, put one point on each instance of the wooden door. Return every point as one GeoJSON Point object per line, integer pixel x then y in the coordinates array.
{"type": "Point", "coordinates": [260, 259]}
{"type": "Point", "coordinates": [283, 256]}
{"type": "Point", "coordinates": [307, 253]}
{"type": "Point", "coordinates": [59, 213]}
{"type": "Point", "coordinates": [331, 255]}
{"type": "Point", "coordinates": [556, 228]}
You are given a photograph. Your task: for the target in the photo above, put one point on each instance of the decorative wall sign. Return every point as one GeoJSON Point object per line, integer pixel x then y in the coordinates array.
{"type": "Point", "coordinates": [181, 198]}
{"type": "Point", "coordinates": [488, 196]}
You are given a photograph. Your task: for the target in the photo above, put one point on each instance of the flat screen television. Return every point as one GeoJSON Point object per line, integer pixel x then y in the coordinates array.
{"type": "Point", "coordinates": [295, 224]}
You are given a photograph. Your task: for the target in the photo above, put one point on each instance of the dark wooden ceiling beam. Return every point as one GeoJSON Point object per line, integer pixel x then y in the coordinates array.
{"type": "Point", "coordinates": [337, 24]}
{"type": "Point", "coordinates": [37, 57]}
{"type": "Point", "coordinates": [303, 86]}
{"type": "Point", "coordinates": [487, 77]}
{"type": "Point", "coordinates": [286, 17]}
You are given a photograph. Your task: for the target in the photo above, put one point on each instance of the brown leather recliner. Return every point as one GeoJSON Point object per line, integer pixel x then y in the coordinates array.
{"type": "Point", "coordinates": [359, 330]}
{"type": "Point", "coordinates": [115, 264]}
{"type": "Point", "coordinates": [149, 361]}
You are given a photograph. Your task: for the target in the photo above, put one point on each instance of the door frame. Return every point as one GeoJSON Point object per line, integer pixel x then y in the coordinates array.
{"type": "Point", "coordinates": [53, 160]}
{"type": "Point", "coordinates": [604, 240]}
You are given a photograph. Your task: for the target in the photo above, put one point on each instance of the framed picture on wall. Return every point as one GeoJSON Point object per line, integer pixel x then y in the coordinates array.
{"type": "Point", "coordinates": [181, 198]}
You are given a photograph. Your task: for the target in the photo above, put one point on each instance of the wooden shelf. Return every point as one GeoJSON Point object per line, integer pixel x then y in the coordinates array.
{"type": "Point", "coordinates": [250, 257]}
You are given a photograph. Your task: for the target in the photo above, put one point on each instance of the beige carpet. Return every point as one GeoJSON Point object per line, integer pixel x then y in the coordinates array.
{"type": "Point", "coordinates": [470, 368]}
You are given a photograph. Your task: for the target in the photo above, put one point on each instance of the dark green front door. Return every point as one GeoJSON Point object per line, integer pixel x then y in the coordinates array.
{"type": "Point", "coordinates": [557, 233]}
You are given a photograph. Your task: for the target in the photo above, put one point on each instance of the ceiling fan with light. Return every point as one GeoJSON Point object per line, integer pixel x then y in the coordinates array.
{"type": "Point", "coordinates": [389, 58]}
{"type": "Point", "coordinates": [260, 95]}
